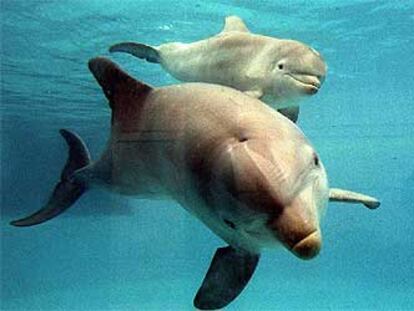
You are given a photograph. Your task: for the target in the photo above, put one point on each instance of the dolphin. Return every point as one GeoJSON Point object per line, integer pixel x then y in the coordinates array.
{"type": "Point", "coordinates": [279, 71]}
{"type": "Point", "coordinates": [248, 173]}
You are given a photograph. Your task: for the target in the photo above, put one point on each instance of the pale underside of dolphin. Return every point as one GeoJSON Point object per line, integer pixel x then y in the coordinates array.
{"type": "Point", "coordinates": [278, 71]}
{"type": "Point", "coordinates": [240, 167]}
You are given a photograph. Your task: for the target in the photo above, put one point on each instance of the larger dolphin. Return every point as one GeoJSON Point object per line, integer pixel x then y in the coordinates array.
{"type": "Point", "coordinates": [240, 167]}
{"type": "Point", "coordinates": [279, 71]}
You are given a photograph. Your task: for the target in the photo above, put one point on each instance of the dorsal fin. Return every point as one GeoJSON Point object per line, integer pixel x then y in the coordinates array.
{"type": "Point", "coordinates": [234, 23]}
{"type": "Point", "coordinates": [123, 92]}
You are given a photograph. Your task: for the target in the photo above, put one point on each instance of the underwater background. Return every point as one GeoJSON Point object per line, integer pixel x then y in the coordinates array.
{"type": "Point", "coordinates": [116, 253]}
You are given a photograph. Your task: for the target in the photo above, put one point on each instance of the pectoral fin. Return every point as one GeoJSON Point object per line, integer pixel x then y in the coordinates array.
{"type": "Point", "coordinates": [229, 273]}
{"type": "Point", "coordinates": [291, 113]}
{"type": "Point", "coordinates": [340, 195]}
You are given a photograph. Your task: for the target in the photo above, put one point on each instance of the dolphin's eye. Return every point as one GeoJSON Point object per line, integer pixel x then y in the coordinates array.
{"type": "Point", "coordinates": [280, 66]}
{"type": "Point", "coordinates": [316, 160]}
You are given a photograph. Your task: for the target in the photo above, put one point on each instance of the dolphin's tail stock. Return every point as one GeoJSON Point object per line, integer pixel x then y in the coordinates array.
{"type": "Point", "coordinates": [139, 50]}
{"type": "Point", "coordinates": [67, 190]}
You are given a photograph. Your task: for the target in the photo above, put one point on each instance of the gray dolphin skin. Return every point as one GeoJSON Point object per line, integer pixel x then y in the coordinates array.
{"type": "Point", "coordinates": [280, 72]}
{"type": "Point", "coordinates": [245, 171]}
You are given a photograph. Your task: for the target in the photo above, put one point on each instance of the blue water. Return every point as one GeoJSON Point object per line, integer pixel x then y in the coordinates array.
{"type": "Point", "coordinates": [113, 253]}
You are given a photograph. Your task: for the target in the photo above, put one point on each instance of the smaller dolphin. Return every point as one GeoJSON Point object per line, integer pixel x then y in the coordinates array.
{"type": "Point", "coordinates": [278, 71]}
{"type": "Point", "coordinates": [248, 173]}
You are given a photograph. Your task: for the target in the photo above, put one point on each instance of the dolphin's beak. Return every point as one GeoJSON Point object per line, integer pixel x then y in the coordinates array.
{"type": "Point", "coordinates": [297, 228]}
{"type": "Point", "coordinates": [310, 83]}
{"type": "Point", "coordinates": [308, 247]}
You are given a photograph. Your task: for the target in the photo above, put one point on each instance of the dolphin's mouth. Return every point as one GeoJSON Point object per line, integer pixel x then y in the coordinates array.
{"type": "Point", "coordinates": [309, 246]}
{"type": "Point", "coordinates": [308, 82]}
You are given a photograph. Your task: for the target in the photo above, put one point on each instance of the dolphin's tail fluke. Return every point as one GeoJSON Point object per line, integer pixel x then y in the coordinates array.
{"type": "Point", "coordinates": [139, 50]}
{"type": "Point", "coordinates": [68, 190]}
